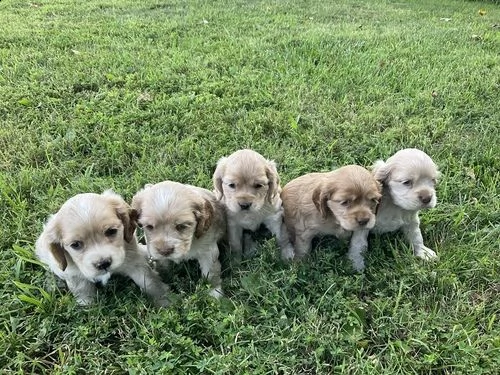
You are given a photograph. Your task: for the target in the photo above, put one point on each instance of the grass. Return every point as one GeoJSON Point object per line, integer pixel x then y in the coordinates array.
{"type": "Point", "coordinates": [116, 94]}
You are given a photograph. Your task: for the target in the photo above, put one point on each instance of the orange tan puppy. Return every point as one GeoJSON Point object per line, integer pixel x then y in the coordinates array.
{"type": "Point", "coordinates": [340, 203]}
{"type": "Point", "coordinates": [249, 187]}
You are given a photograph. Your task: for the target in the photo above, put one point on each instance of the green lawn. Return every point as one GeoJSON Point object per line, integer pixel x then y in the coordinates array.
{"type": "Point", "coordinates": [119, 93]}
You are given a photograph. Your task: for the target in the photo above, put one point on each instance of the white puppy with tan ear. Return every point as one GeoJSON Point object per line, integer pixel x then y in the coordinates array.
{"type": "Point", "coordinates": [89, 239]}
{"type": "Point", "coordinates": [408, 178]}
{"type": "Point", "coordinates": [182, 222]}
{"type": "Point", "coordinates": [249, 187]}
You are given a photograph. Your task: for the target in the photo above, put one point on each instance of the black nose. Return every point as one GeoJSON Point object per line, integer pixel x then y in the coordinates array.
{"type": "Point", "coordinates": [245, 206]}
{"type": "Point", "coordinates": [103, 264]}
{"type": "Point", "coordinates": [363, 221]}
{"type": "Point", "coordinates": [167, 251]}
{"type": "Point", "coordinates": [425, 199]}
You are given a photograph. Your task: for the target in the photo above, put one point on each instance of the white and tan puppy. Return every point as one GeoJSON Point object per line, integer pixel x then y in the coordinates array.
{"type": "Point", "coordinates": [89, 239]}
{"type": "Point", "coordinates": [408, 179]}
{"type": "Point", "coordinates": [340, 203]}
{"type": "Point", "coordinates": [249, 187]}
{"type": "Point", "coordinates": [182, 222]}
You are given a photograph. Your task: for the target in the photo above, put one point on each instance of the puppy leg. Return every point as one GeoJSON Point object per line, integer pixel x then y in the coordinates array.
{"type": "Point", "coordinates": [414, 236]}
{"type": "Point", "coordinates": [211, 269]}
{"type": "Point", "coordinates": [83, 290]}
{"type": "Point", "coordinates": [150, 283]}
{"type": "Point", "coordinates": [357, 246]}
{"type": "Point", "coordinates": [303, 244]}
{"type": "Point", "coordinates": [249, 245]}
{"type": "Point", "coordinates": [277, 227]}
{"type": "Point", "coordinates": [235, 236]}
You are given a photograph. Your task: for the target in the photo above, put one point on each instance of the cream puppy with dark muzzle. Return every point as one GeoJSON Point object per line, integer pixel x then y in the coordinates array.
{"type": "Point", "coordinates": [89, 239]}
{"type": "Point", "coordinates": [340, 203]}
{"type": "Point", "coordinates": [249, 187]}
{"type": "Point", "coordinates": [408, 179]}
{"type": "Point", "coordinates": [182, 222]}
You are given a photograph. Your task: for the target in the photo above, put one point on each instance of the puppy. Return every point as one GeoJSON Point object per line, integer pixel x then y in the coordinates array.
{"type": "Point", "coordinates": [91, 238]}
{"type": "Point", "coordinates": [182, 222]}
{"type": "Point", "coordinates": [408, 178]}
{"type": "Point", "coordinates": [341, 203]}
{"type": "Point", "coordinates": [249, 187]}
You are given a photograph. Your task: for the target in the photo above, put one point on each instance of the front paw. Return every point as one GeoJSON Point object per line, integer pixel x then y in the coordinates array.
{"type": "Point", "coordinates": [287, 253]}
{"type": "Point", "coordinates": [85, 300]}
{"type": "Point", "coordinates": [249, 246]}
{"type": "Point", "coordinates": [425, 253]}
{"type": "Point", "coordinates": [358, 264]}
{"type": "Point", "coordinates": [216, 292]}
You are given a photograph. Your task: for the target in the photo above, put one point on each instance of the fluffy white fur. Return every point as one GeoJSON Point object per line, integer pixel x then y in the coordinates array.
{"type": "Point", "coordinates": [340, 203]}
{"type": "Point", "coordinates": [182, 222]}
{"type": "Point", "coordinates": [91, 238]}
{"type": "Point", "coordinates": [408, 179]}
{"type": "Point", "coordinates": [249, 187]}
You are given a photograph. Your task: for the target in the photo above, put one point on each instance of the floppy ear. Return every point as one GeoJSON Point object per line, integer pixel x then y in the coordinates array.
{"type": "Point", "coordinates": [50, 241]}
{"type": "Point", "coordinates": [274, 180]}
{"type": "Point", "coordinates": [381, 171]}
{"type": "Point", "coordinates": [124, 213]}
{"type": "Point", "coordinates": [217, 178]}
{"type": "Point", "coordinates": [204, 214]}
{"type": "Point", "coordinates": [320, 199]}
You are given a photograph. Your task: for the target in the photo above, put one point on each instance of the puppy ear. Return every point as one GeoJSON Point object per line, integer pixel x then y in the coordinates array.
{"type": "Point", "coordinates": [381, 171]}
{"type": "Point", "coordinates": [204, 214]}
{"type": "Point", "coordinates": [125, 214]}
{"type": "Point", "coordinates": [217, 178]}
{"type": "Point", "coordinates": [50, 241]}
{"type": "Point", "coordinates": [274, 180]}
{"type": "Point", "coordinates": [320, 199]}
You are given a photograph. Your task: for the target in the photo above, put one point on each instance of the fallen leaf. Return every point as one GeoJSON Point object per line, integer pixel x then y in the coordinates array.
{"type": "Point", "coordinates": [24, 101]}
{"type": "Point", "coordinates": [481, 12]}
{"type": "Point", "coordinates": [445, 19]}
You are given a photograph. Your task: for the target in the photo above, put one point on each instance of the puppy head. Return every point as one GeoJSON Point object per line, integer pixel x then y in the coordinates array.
{"type": "Point", "coordinates": [351, 195]}
{"type": "Point", "coordinates": [410, 177]}
{"type": "Point", "coordinates": [246, 181]}
{"type": "Point", "coordinates": [172, 215]}
{"type": "Point", "coordinates": [90, 231]}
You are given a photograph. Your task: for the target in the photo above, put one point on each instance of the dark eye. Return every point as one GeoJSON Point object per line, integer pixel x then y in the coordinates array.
{"type": "Point", "coordinates": [76, 245]}
{"type": "Point", "coordinates": [345, 203]}
{"type": "Point", "coordinates": [110, 232]}
{"type": "Point", "coordinates": [407, 182]}
{"type": "Point", "coordinates": [231, 185]}
{"type": "Point", "coordinates": [181, 227]}
{"type": "Point", "coordinates": [258, 186]}
{"type": "Point", "coordinates": [149, 227]}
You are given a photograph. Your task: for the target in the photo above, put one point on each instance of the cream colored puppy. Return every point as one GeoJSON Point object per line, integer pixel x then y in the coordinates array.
{"type": "Point", "coordinates": [182, 222]}
{"type": "Point", "coordinates": [249, 187]}
{"type": "Point", "coordinates": [89, 239]}
{"type": "Point", "coordinates": [408, 179]}
{"type": "Point", "coordinates": [341, 203]}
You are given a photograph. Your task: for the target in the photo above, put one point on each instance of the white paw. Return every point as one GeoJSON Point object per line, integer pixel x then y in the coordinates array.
{"type": "Point", "coordinates": [287, 253]}
{"type": "Point", "coordinates": [358, 263]}
{"type": "Point", "coordinates": [425, 253]}
{"type": "Point", "coordinates": [216, 293]}
{"type": "Point", "coordinates": [85, 301]}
